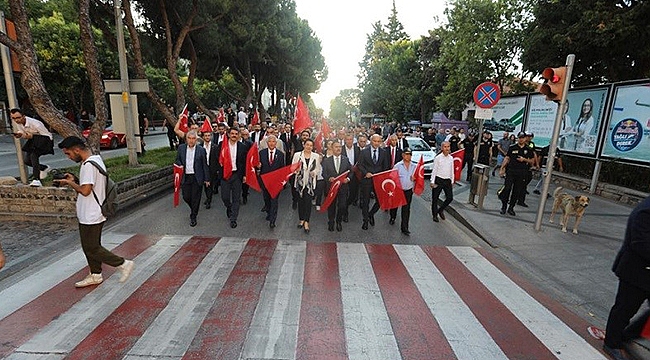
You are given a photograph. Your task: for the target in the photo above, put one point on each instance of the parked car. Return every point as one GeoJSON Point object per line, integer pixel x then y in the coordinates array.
{"type": "Point", "coordinates": [110, 139]}
{"type": "Point", "coordinates": [491, 124]}
{"type": "Point", "coordinates": [420, 148]}
{"type": "Point", "coordinates": [506, 125]}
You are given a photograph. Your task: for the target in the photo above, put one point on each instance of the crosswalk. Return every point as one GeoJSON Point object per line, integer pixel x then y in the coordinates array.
{"type": "Point", "coordinates": [233, 298]}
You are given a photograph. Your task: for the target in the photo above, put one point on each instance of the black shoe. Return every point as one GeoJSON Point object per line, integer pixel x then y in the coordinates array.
{"type": "Point", "coordinates": [511, 211]}
{"type": "Point", "coordinates": [391, 221]}
{"type": "Point", "coordinates": [345, 219]}
{"type": "Point", "coordinates": [339, 226]}
{"type": "Point", "coordinates": [228, 212]}
{"type": "Point", "coordinates": [435, 218]}
{"type": "Point", "coordinates": [365, 225]}
{"type": "Point", "coordinates": [272, 225]}
{"type": "Point", "coordinates": [616, 354]}
{"type": "Point", "coordinates": [233, 224]}
{"type": "Point", "coordinates": [294, 205]}
{"type": "Point", "coordinates": [208, 205]}
{"type": "Point", "coordinates": [306, 231]}
{"type": "Point", "coordinates": [442, 215]}
{"type": "Point", "coordinates": [537, 192]}
{"type": "Point", "coordinates": [330, 227]}
{"type": "Point", "coordinates": [522, 204]}
{"type": "Point", "coordinates": [371, 220]}
{"type": "Point", "coordinates": [300, 226]}
{"type": "Point", "coordinates": [527, 192]}
{"type": "Point", "coordinates": [264, 209]}
{"type": "Point", "coordinates": [267, 218]}
{"type": "Point", "coordinates": [192, 222]}
{"type": "Point", "coordinates": [503, 211]}
{"type": "Point", "coordinates": [244, 200]}
{"type": "Point", "coordinates": [406, 232]}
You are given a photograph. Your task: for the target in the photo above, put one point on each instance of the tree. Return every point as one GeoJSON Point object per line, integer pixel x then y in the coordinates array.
{"type": "Point", "coordinates": [346, 103]}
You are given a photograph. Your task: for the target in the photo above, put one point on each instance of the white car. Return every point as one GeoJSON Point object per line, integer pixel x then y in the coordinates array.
{"type": "Point", "coordinates": [420, 148]}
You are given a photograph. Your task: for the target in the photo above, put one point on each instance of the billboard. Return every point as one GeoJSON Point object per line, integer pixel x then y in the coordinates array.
{"type": "Point", "coordinates": [628, 130]}
{"type": "Point", "coordinates": [507, 115]}
{"type": "Point", "coordinates": [579, 131]}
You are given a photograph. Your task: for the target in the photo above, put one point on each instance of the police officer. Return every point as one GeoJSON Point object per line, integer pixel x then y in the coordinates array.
{"type": "Point", "coordinates": [518, 161]}
{"type": "Point", "coordinates": [529, 175]}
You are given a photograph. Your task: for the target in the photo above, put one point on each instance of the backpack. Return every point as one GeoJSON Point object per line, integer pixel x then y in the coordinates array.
{"type": "Point", "coordinates": [109, 206]}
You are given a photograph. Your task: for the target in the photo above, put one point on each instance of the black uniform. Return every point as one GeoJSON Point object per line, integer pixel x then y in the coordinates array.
{"type": "Point", "coordinates": [516, 176]}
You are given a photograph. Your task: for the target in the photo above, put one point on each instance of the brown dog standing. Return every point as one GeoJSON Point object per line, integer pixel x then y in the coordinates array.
{"type": "Point", "coordinates": [570, 205]}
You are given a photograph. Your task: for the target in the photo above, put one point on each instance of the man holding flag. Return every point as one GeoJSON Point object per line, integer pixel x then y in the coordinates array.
{"type": "Point", "coordinates": [232, 158]}
{"type": "Point", "coordinates": [337, 173]}
{"type": "Point", "coordinates": [270, 159]}
{"type": "Point", "coordinates": [442, 179]}
{"type": "Point", "coordinates": [406, 171]}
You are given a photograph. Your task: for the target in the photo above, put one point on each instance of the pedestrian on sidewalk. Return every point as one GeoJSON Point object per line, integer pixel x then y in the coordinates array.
{"type": "Point", "coordinates": [515, 167]}
{"type": "Point", "coordinates": [442, 179]}
{"type": "Point", "coordinates": [39, 142]}
{"type": "Point", "coordinates": [632, 266]}
{"type": "Point", "coordinates": [91, 189]}
{"type": "Point", "coordinates": [502, 146]}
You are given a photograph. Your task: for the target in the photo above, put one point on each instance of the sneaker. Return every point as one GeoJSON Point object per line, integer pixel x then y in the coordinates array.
{"type": "Point", "coordinates": [35, 183]}
{"type": "Point", "coordinates": [126, 269]}
{"type": "Point", "coordinates": [45, 171]}
{"type": "Point", "coordinates": [91, 279]}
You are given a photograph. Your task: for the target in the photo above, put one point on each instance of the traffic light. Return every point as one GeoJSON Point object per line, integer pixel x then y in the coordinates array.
{"type": "Point", "coordinates": [553, 86]}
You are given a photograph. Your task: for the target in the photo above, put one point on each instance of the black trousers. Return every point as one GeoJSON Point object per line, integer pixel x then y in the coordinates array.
{"type": "Point", "coordinates": [515, 185]}
{"type": "Point", "coordinates": [231, 193]}
{"type": "Point", "coordinates": [192, 194]}
{"type": "Point", "coordinates": [366, 189]}
{"type": "Point", "coordinates": [209, 190]}
{"type": "Point", "coordinates": [443, 185]}
{"type": "Point", "coordinates": [320, 191]}
{"type": "Point", "coordinates": [470, 164]}
{"type": "Point", "coordinates": [304, 206]}
{"type": "Point", "coordinates": [629, 298]}
{"type": "Point", "coordinates": [32, 159]}
{"type": "Point", "coordinates": [271, 205]}
{"type": "Point", "coordinates": [406, 210]}
{"type": "Point", "coordinates": [339, 208]}
{"type": "Point", "coordinates": [96, 254]}
{"type": "Point", "coordinates": [353, 187]}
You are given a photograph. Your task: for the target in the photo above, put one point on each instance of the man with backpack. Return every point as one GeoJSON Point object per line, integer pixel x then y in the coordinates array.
{"type": "Point", "coordinates": [91, 187]}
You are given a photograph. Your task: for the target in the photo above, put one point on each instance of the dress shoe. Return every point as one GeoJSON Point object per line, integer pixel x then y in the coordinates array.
{"type": "Point", "coordinates": [294, 205]}
{"type": "Point", "coordinates": [300, 226]}
{"type": "Point", "coordinates": [371, 220]}
{"type": "Point", "coordinates": [442, 215]}
{"type": "Point", "coordinates": [228, 212]}
{"type": "Point", "coordinates": [391, 221]}
{"type": "Point", "coordinates": [365, 225]}
{"type": "Point", "coordinates": [522, 204]}
{"type": "Point", "coordinates": [435, 218]}
{"type": "Point", "coordinates": [233, 224]}
{"type": "Point", "coordinates": [345, 219]}
{"type": "Point", "coordinates": [208, 205]}
{"type": "Point", "coordinates": [339, 226]}
{"type": "Point", "coordinates": [307, 230]}
{"type": "Point", "coordinates": [264, 209]}
{"type": "Point", "coordinates": [272, 225]}
{"type": "Point", "coordinates": [330, 227]}
{"type": "Point", "coordinates": [91, 279]}
{"type": "Point", "coordinates": [192, 222]}
{"type": "Point", "coordinates": [406, 232]}
{"type": "Point", "coordinates": [244, 200]}
{"type": "Point", "coordinates": [503, 211]}
{"type": "Point", "coordinates": [511, 211]}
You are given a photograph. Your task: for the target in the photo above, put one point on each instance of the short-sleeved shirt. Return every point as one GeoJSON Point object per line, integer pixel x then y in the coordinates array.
{"type": "Point", "coordinates": [453, 143]}
{"type": "Point", "coordinates": [469, 146]}
{"type": "Point", "coordinates": [484, 149]}
{"type": "Point", "coordinates": [88, 210]}
{"type": "Point", "coordinates": [505, 144]}
{"type": "Point", "coordinates": [514, 152]}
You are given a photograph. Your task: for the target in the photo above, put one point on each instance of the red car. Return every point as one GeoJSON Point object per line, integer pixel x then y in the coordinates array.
{"type": "Point", "coordinates": [110, 139]}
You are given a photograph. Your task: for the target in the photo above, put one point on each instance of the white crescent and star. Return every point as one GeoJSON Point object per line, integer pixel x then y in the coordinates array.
{"type": "Point", "coordinates": [383, 186]}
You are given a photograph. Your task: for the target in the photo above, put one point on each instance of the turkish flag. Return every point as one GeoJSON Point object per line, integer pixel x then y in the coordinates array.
{"type": "Point", "coordinates": [275, 180]}
{"type": "Point", "coordinates": [388, 189]}
{"type": "Point", "coordinates": [183, 119]}
{"type": "Point", "coordinates": [419, 177]}
{"type": "Point", "coordinates": [334, 190]}
{"type": "Point", "coordinates": [302, 120]}
{"type": "Point", "coordinates": [320, 138]}
{"type": "Point", "coordinates": [224, 158]}
{"type": "Point", "coordinates": [256, 118]}
{"type": "Point", "coordinates": [178, 175]}
{"type": "Point", "coordinates": [221, 117]}
{"type": "Point", "coordinates": [252, 160]}
{"type": "Point", "coordinates": [206, 127]}
{"type": "Point", "coordinates": [458, 163]}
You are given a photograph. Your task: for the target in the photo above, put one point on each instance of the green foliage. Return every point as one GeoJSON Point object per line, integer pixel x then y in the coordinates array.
{"type": "Point", "coordinates": [345, 104]}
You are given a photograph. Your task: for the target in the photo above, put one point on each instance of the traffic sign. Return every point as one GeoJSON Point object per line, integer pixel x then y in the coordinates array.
{"type": "Point", "coordinates": [487, 95]}
{"type": "Point", "coordinates": [482, 113]}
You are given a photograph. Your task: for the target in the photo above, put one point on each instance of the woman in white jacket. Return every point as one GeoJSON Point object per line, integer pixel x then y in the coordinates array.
{"type": "Point", "coordinates": [305, 181]}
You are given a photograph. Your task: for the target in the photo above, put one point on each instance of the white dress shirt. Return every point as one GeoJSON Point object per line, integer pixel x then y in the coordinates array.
{"type": "Point", "coordinates": [233, 155]}
{"type": "Point", "coordinates": [350, 154]}
{"type": "Point", "coordinates": [189, 160]}
{"type": "Point", "coordinates": [443, 167]}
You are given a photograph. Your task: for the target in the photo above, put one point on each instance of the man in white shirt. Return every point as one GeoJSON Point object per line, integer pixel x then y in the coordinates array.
{"type": "Point", "coordinates": [39, 142]}
{"type": "Point", "coordinates": [442, 179]}
{"type": "Point", "coordinates": [91, 189]}
{"type": "Point", "coordinates": [242, 118]}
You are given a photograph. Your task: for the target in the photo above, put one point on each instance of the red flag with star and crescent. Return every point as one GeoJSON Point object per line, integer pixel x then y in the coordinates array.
{"type": "Point", "coordinates": [458, 163]}
{"type": "Point", "coordinates": [221, 117]}
{"type": "Point", "coordinates": [320, 138]}
{"type": "Point", "coordinates": [178, 175]}
{"type": "Point", "coordinates": [302, 120]}
{"type": "Point", "coordinates": [275, 180]}
{"type": "Point", "coordinates": [334, 190]}
{"type": "Point", "coordinates": [224, 158]}
{"type": "Point", "coordinates": [418, 189]}
{"type": "Point", "coordinates": [388, 189]}
{"type": "Point", "coordinates": [256, 118]}
{"type": "Point", "coordinates": [252, 160]}
{"type": "Point", "coordinates": [207, 126]}
{"type": "Point", "coordinates": [185, 114]}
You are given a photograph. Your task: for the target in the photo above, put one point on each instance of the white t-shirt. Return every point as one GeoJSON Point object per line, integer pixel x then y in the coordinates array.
{"type": "Point", "coordinates": [88, 210]}
{"type": "Point", "coordinates": [34, 127]}
{"type": "Point", "coordinates": [242, 118]}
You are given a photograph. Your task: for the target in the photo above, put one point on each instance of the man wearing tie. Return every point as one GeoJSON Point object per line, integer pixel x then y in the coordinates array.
{"type": "Point", "coordinates": [373, 160]}
{"type": "Point", "coordinates": [401, 141]}
{"type": "Point", "coordinates": [270, 159]}
{"type": "Point", "coordinates": [231, 186]}
{"type": "Point", "coordinates": [334, 166]}
{"type": "Point", "coordinates": [353, 153]}
{"type": "Point", "coordinates": [394, 151]}
{"type": "Point", "coordinates": [213, 166]}
{"type": "Point", "coordinates": [193, 158]}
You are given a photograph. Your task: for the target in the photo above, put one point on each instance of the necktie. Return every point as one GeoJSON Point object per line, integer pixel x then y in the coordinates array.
{"type": "Point", "coordinates": [392, 157]}
{"type": "Point", "coordinates": [271, 158]}
{"type": "Point", "coordinates": [207, 149]}
{"type": "Point", "coordinates": [374, 156]}
{"type": "Point", "coordinates": [337, 164]}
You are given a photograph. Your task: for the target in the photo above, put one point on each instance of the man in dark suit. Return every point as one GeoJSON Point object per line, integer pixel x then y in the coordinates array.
{"type": "Point", "coordinates": [244, 138]}
{"type": "Point", "coordinates": [287, 140]}
{"type": "Point", "coordinates": [213, 166]}
{"type": "Point", "coordinates": [373, 160]}
{"type": "Point", "coordinates": [353, 153]}
{"type": "Point", "coordinates": [270, 159]}
{"type": "Point", "coordinates": [193, 158]}
{"type": "Point", "coordinates": [401, 142]}
{"type": "Point", "coordinates": [632, 266]}
{"type": "Point", "coordinates": [394, 152]}
{"type": "Point", "coordinates": [334, 166]}
{"type": "Point", "coordinates": [231, 186]}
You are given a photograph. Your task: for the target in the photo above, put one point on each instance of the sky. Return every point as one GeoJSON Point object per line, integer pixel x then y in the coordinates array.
{"type": "Point", "coordinates": [343, 26]}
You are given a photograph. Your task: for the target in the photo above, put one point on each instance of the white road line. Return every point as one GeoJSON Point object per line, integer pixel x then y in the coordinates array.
{"type": "Point", "coordinates": [68, 330]}
{"type": "Point", "coordinates": [550, 330]}
{"type": "Point", "coordinates": [368, 330]}
{"type": "Point", "coordinates": [465, 334]}
{"type": "Point", "coordinates": [28, 289]}
{"type": "Point", "coordinates": [273, 333]}
{"type": "Point", "coordinates": [173, 330]}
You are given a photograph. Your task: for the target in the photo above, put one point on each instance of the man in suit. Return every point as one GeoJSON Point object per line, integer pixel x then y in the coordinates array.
{"type": "Point", "coordinates": [353, 153]}
{"type": "Point", "coordinates": [213, 167]}
{"type": "Point", "coordinates": [394, 152]}
{"type": "Point", "coordinates": [334, 166]}
{"type": "Point", "coordinates": [286, 138]}
{"type": "Point", "coordinates": [257, 134]}
{"type": "Point", "coordinates": [401, 142]}
{"type": "Point", "coordinates": [244, 138]}
{"type": "Point", "coordinates": [373, 160]}
{"type": "Point", "coordinates": [231, 186]}
{"type": "Point", "coordinates": [270, 159]}
{"type": "Point", "coordinates": [196, 173]}
{"type": "Point", "coordinates": [632, 266]}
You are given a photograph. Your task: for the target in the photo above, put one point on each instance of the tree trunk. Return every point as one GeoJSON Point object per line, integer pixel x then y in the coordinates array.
{"type": "Point", "coordinates": [171, 60]}
{"type": "Point", "coordinates": [190, 82]}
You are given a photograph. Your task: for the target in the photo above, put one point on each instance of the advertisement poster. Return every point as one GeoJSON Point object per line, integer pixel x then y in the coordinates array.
{"type": "Point", "coordinates": [628, 134]}
{"type": "Point", "coordinates": [584, 113]}
{"type": "Point", "coordinates": [507, 115]}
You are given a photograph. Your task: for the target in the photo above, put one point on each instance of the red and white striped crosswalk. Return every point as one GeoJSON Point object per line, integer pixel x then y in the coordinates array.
{"type": "Point", "coordinates": [232, 298]}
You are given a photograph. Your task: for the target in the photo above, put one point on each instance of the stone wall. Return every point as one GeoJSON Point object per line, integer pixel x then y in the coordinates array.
{"type": "Point", "coordinates": [616, 193]}
{"type": "Point", "coordinates": [22, 202]}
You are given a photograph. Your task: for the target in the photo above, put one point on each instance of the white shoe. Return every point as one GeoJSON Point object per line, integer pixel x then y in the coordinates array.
{"type": "Point", "coordinates": [91, 279]}
{"type": "Point", "coordinates": [44, 172]}
{"type": "Point", "coordinates": [35, 183]}
{"type": "Point", "coordinates": [317, 207]}
{"type": "Point", "coordinates": [126, 269]}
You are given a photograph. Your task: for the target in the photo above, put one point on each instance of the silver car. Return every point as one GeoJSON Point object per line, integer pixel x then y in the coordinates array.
{"type": "Point", "coordinates": [420, 148]}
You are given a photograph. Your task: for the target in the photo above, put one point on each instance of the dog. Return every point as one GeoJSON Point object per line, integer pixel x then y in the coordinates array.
{"type": "Point", "coordinates": [570, 205]}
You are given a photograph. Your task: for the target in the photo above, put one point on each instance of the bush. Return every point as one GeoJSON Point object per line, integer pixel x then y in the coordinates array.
{"type": "Point", "coordinates": [611, 172]}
